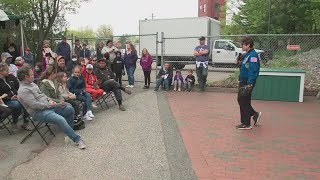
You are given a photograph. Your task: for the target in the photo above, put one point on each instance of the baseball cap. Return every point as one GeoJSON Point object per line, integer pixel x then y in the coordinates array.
{"type": "Point", "coordinates": [6, 55]}
{"type": "Point", "coordinates": [202, 38]}
{"type": "Point", "coordinates": [89, 66]}
{"type": "Point", "coordinates": [60, 57]}
{"type": "Point", "coordinates": [26, 49]}
{"type": "Point", "coordinates": [102, 59]}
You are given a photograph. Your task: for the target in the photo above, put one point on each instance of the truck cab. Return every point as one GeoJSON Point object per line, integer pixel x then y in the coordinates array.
{"type": "Point", "coordinates": [225, 51]}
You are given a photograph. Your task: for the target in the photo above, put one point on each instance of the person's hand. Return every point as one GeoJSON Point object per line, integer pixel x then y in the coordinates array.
{"type": "Point", "coordinates": [52, 103]}
{"type": "Point", "coordinates": [14, 97]}
{"type": "Point", "coordinates": [63, 104]}
{"type": "Point", "coordinates": [3, 96]}
{"type": "Point", "coordinates": [163, 76]}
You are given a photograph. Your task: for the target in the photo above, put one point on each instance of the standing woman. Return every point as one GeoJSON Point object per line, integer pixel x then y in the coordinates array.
{"type": "Point", "coordinates": [130, 60]}
{"type": "Point", "coordinates": [99, 49]}
{"type": "Point", "coordinates": [146, 62]}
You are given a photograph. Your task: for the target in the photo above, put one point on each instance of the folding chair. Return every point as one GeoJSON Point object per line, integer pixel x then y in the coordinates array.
{"type": "Point", "coordinates": [4, 124]}
{"type": "Point", "coordinates": [37, 126]}
{"type": "Point", "coordinates": [103, 100]}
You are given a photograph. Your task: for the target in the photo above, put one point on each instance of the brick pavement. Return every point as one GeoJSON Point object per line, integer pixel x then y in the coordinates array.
{"type": "Point", "coordinates": [285, 146]}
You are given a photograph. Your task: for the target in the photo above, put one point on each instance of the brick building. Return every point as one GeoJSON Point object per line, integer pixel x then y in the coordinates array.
{"type": "Point", "coordinates": [210, 8]}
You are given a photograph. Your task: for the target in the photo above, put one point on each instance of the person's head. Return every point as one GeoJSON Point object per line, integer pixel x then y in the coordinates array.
{"type": "Point", "coordinates": [77, 42]}
{"type": "Point", "coordinates": [19, 61]}
{"type": "Point", "coordinates": [131, 47]}
{"type": "Point", "coordinates": [50, 73]}
{"type": "Point", "coordinates": [202, 40]}
{"type": "Point", "coordinates": [46, 43]}
{"type": "Point", "coordinates": [109, 43]}
{"type": "Point", "coordinates": [25, 74]}
{"type": "Point", "coordinates": [102, 63]}
{"type": "Point", "coordinates": [93, 61]}
{"type": "Point", "coordinates": [76, 71]}
{"type": "Point", "coordinates": [38, 67]}
{"type": "Point", "coordinates": [64, 39]}
{"type": "Point", "coordinates": [84, 46]}
{"type": "Point", "coordinates": [247, 43]}
{"type": "Point", "coordinates": [166, 66]}
{"type": "Point", "coordinates": [89, 68]}
{"type": "Point", "coordinates": [101, 44]}
{"type": "Point", "coordinates": [62, 77]}
{"type": "Point", "coordinates": [118, 54]}
{"type": "Point", "coordinates": [178, 73]}
{"type": "Point", "coordinates": [4, 69]}
{"type": "Point", "coordinates": [27, 50]}
{"type": "Point", "coordinates": [190, 72]}
{"type": "Point", "coordinates": [61, 61]}
{"type": "Point", "coordinates": [81, 61]}
{"type": "Point", "coordinates": [9, 40]}
{"type": "Point", "coordinates": [107, 56]}
{"type": "Point", "coordinates": [145, 52]}
{"type": "Point", "coordinates": [6, 57]}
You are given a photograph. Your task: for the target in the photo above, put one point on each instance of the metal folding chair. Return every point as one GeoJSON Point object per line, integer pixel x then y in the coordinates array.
{"type": "Point", "coordinates": [104, 99]}
{"type": "Point", "coordinates": [4, 124]}
{"type": "Point", "coordinates": [37, 126]}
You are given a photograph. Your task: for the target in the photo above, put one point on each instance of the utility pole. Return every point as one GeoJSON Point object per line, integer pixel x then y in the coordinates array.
{"type": "Point", "coordinates": [152, 16]}
{"type": "Point", "coordinates": [269, 16]}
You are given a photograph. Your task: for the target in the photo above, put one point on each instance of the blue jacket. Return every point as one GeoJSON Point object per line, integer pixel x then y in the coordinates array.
{"type": "Point", "coordinates": [250, 67]}
{"type": "Point", "coordinates": [76, 85]}
{"type": "Point", "coordinates": [85, 53]}
{"type": "Point", "coordinates": [130, 60]}
{"type": "Point", "coordinates": [64, 50]}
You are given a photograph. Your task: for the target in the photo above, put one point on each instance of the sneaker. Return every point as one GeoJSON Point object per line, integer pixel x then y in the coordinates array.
{"type": "Point", "coordinates": [81, 144]}
{"type": "Point", "coordinates": [104, 93]}
{"type": "Point", "coordinates": [87, 118]}
{"type": "Point", "coordinates": [122, 108]}
{"type": "Point", "coordinates": [244, 127]}
{"type": "Point", "coordinates": [179, 89]}
{"type": "Point", "coordinates": [155, 90]}
{"type": "Point", "coordinates": [256, 118]}
{"type": "Point", "coordinates": [239, 126]}
{"type": "Point", "coordinates": [145, 87]}
{"type": "Point", "coordinates": [131, 86]}
{"type": "Point", "coordinates": [127, 86]}
{"type": "Point", "coordinates": [127, 91]}
{"type": "Point", "coordinates": [174, 89]}
{"type": "Point", "coordinates": [90, 114]}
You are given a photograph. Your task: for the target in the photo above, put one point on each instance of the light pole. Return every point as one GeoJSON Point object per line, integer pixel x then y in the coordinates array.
{"type": "Point", "coordinates": [269, 16]}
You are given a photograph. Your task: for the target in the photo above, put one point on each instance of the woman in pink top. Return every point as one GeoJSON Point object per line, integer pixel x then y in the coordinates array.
{"type": "Point", "coordinates": [146, 62]}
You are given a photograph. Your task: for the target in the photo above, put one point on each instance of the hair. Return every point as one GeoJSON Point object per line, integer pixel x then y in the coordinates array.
{"type": "Point", "coordinates": [49, 70]}
{"type": "Point", "coordinates": [45, 42]}
{"type": "Point", "coordinates": [190, 71]}
{"type": "Point", "coordinates": [80, 59]}
{"type": "Point", "coordinates": [76, 67]}
{"type": "Point", "coordinates": [247, 41]}
{"type": "Point", "coordinates": [60, 76]}
{"type": "Point", "coordinates": [109, 41]}
{"type": "Point", "coordinates": [132, 46]}
{"type": "Point", "coordinates": [146, 50]}
{"type": "Point", "coordinates": [178, 72]}
{"type": "Point", "coordinates": [23, 72]}
{"type": "Point", "coordinates": [106, 55]}
{"type": "Point", "coordinates": [3, 66]}
{"type": "Point", "coordinates": [101, 43]}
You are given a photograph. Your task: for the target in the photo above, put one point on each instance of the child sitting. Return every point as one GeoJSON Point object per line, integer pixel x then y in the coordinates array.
{"type": "Point", "coordinates": [67, 95]}
{"type": "Point", "coordinates": [19, 62]}
{"type": "Point", "coordinates": [190, 80]}
{"type": "Point", "coordinates": [178, 81]}
{"type": "Point", "coordinates": [91, 82]}
{"type": "Point", "coordinates": [77, 86]}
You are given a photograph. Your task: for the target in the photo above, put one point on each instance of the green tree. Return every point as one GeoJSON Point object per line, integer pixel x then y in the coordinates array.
{"type": "Point", "coordinates": [85, 34]}
{"type": "Point", "coordinates": [104, 31]}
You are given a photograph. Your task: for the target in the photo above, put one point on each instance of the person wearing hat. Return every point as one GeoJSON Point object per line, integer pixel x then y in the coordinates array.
{"type": "Point", "coordinates": [61, 66]}
{"type": "Point", "coordinates": [7, 58]}
{"type": "Point", "coordinates": [111, 49]}
{"type": "Point", "coordinates": [91, 80]}
{"type": "Point", "coordinates": [64, 50]}
{"type": "Point", "coordinates": [201, 53]}
{"type": "Point", "coordinates": [84, 52]}
{"type": "Point", "coordinates": [107, 82]}
{"type": "Point", "coordinates": [28, 57]}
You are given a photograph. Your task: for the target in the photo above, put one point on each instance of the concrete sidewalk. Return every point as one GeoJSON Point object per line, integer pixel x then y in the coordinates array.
{"type": "Point", "coordinates": [120, 145]}
{"type": "Point", "coordinates": [284, 146]}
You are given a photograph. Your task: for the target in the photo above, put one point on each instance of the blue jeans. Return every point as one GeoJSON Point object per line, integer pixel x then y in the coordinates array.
{"type": "Point", "coordinates": [63, 117]}
{"type": "Point", "coordinates": [16, 108]}
{"type": "Point", "coordinates": [86, 98]}
{"type": "Point", "coordinates": [130, 72]}
{"type": "Point", "coordinates": [166, 83]}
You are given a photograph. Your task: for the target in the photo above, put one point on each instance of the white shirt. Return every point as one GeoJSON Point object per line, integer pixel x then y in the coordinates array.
{"type": "Point", "coordinates": [13, 69]}
{"type": "Point", "coordinates": [107, 49]}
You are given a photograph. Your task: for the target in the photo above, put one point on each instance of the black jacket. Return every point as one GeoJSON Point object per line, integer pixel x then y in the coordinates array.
{"type": "Point", "coordinates": [9, 87]}
{"type": "Point", "coordinates": [76, 85]}
{"type": "Point", "coordinates": [104, 74]}
{"type": "Point", "coordinates": [118, 64]}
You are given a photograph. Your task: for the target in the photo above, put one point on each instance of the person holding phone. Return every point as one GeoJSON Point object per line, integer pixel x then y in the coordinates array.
{"type": "Point", "coordinates": [112, 50]}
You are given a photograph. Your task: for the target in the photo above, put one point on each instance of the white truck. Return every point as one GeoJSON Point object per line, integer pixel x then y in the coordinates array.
{"type": "Point", "coordinates": [181, 38]}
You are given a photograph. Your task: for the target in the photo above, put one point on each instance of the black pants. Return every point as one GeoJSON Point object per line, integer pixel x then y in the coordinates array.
{"type": "Point", "coordinates": [113, 86]}
{"type": "Point", "coordinates": [119, 77]}
{"type": "Point", "coordinates": [246, 110]}
{"type": "Point", "coordinates": [75, 106]}
{"type": "Point", "coordinates": [147, 78]}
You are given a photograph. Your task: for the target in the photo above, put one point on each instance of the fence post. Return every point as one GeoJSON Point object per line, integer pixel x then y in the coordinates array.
{"type": "Point", "coordinates": [162, 49]}
{"type": "Point", "coordinates": [157, 46]}
{"type": "Point", "coordinates": [72, 45]}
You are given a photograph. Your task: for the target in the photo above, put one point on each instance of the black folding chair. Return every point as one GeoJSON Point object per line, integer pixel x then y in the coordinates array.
{"type": "Point", "coordinates": [4, 124]}
{"type": "Point", "coordinates": [37, 126]}
{"type": "Point", "coordinates": [104, 99]}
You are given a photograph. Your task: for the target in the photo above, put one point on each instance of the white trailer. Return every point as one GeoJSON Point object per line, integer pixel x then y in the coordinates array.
{"type": "Point", "coordinates": [178, 46]}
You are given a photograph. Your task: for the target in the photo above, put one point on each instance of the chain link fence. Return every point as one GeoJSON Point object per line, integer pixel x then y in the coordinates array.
{"type": "Point", "coordinates": [293, 51]}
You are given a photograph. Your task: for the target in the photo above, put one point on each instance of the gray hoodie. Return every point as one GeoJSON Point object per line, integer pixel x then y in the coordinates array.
{"type": "Point", "coordinates": [31, 98]}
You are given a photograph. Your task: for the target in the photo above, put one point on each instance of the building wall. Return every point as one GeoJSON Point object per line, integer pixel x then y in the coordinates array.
{"type": "Point", "coordinates": [210, 8]}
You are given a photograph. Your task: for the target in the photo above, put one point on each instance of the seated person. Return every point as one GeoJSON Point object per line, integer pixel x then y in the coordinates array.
{"type": "Point", "coordinates": [4, 110]}
{"type": "Point", "coordinates": [42, 108]}
{"type": "Point", "coordinates": [7, 58]}
{"type": "Point", "coordinates": [107, 82]}
{"type": "Point", "coordinates": [77, 86]}
{"type": "Point", "coordinates": [164, 76]}
{"type": "Point", "coordinates": [62, 65]}
{"type": "Point", "coordinates": [19, 62]}
{"type": "Point", "coordinates": [91, 80]}
{"type": "Point", "coordinates": [9, 86]}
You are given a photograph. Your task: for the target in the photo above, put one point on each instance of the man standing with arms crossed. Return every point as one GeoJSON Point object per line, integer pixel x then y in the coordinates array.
{"type": "Point", "coordinates": [202, 57]}
{"type": "Point", "coordinates": [249, 72]}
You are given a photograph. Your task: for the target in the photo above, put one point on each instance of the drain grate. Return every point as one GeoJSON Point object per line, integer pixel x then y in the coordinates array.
{"type": "Point", "coordinates": [2, 154]}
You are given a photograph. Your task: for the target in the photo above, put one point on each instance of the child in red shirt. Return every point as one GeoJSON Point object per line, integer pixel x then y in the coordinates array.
{"type": "Point", "coordinates": [91, 82]}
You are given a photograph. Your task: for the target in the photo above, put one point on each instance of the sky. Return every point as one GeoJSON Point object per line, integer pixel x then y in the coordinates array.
{"type": "Point", "coordinates": [124, 15]}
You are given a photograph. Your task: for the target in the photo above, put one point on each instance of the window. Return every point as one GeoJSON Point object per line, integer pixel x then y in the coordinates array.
{"type": "Point", "coordinates": [220, 44]}
{"type": "Point", "coordinates": [204, 7]}
{"type": "Point", "coordinates": [200, 7]}
{"type": "Point", "coordinates": [216, 7]}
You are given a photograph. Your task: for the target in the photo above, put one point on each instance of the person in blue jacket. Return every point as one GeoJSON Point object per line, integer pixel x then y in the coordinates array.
{"type": "Point", "coordinates": [249, 72]}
